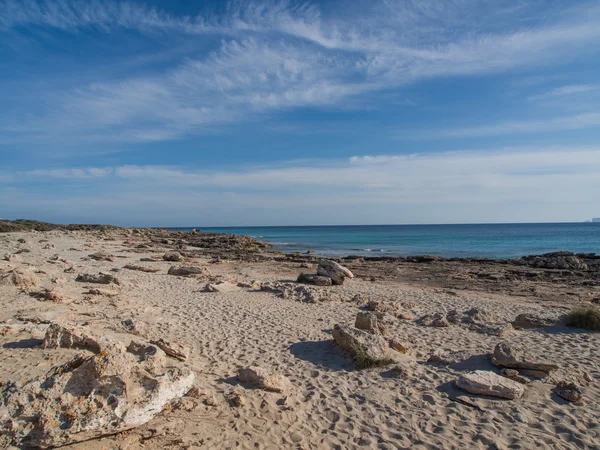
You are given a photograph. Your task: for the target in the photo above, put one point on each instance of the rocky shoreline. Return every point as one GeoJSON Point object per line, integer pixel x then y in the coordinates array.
{"type": "Point", "coordinates": [152, 338]}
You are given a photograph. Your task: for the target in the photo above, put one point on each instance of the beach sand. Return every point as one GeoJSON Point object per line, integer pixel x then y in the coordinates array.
{"type": "Point", "coordinates": [331, 404]}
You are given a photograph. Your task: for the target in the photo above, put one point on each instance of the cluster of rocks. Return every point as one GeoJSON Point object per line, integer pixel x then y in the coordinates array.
{"type": "Point", "coordinates": [301, 293]}
{"type": "Point", "coordinates": [516, 370]}
{"type": "Point", "coordinates": [328, 273]}
{"type": "Point", "coordinates": [112, 389]}
{"type": "Point", "coordinates": [556, 260]}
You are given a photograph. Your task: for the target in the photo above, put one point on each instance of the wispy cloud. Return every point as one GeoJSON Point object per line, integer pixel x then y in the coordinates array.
{"type": "Point", "coordinates": [269, 57]}
{"type": "Point", "coordinates": [564, 91]}
{"type": "Point", "coordinates": [555, 124]}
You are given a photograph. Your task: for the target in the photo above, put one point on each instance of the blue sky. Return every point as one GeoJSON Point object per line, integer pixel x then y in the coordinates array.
{"type": "Point", "coordinates": [184, 113]}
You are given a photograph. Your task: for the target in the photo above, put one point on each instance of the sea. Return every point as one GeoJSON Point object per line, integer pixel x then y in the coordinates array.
{"type": "Point", "coordinates": [451, 241]}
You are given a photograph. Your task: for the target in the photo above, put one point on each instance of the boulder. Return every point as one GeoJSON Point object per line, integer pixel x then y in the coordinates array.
{"type": "Point", "coordinates": [351, 339]}
{"type": "Point", "coordinates": [333, 270]}
{"type": "Point", "coordinates": [375, 322]}
{"type": "Point", "coordinates": [317, 280]}
{"type": "Point", "coordinates": [484, 382]}
{"type": "Point", "coordinates": [173, 256]}
{"type": "Point", "coordinates": [101, 278]}
{"type": "Point", "coordinates": [264, 379]}
{"type": "Point", "coordinates": [187, 271]}
{"type": "Point", "coordinates": [531, 321]}
{"type": "Point", "coordinates": [89, 397]}
{"type": "Point", "coordinates": [507, 356]}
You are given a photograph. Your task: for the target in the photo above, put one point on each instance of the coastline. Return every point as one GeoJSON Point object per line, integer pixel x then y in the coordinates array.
{"type": "Point", "coordinates": [330, 403]}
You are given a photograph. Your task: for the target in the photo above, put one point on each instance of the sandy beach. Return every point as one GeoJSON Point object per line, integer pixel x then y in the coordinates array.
{"type": "Point", "coordinates": [256, 316]}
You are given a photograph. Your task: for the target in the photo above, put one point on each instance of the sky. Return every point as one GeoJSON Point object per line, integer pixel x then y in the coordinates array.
{"type": "Point", "coordinates": [187, 113]}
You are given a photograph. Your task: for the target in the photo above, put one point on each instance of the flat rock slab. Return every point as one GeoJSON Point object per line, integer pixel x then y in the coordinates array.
{"type": "Point", "coordinates": [223, 286]}
{"type": "Point", "coordinates": [483, 382]}
{"type": "Point", "coordinates": [507, 356]}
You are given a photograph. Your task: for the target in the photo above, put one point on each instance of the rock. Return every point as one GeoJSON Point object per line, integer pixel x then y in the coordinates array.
{"type": "Point", "coordinates": [21, 277]}
{"type": "Point", "coordinates": [375, 322]}
{"type": "Point", "coordinates": [317, 280]}
{"type": "Point", "coordinates": [264, 379]}
{"type": "Point", "coordinates": [51, 295]}
{"type": "Point", "coordinates": [173, 256]}
{"type": "Point", "coordinates": [351, 339]}
{"type": "Point", "coordinates": [333, 270]}
{"type": "Point", "coordinates": [141, 268]}
{"type": "Point", "coordinates": [101, 278]}
{"type": "Point", "coordinates": [437, 320]}
{"type": "Point", "coordinates": [221, 286]}
{"type": "Point", "coordinates": [588, 377]}
{"type": "Point", "coordinates": [510, 373]}
{"type": "Point", "coordinates": [483, 382]}
{"type": "Point", "coordinates": [59, 336]}
{"type": "Point", "coordinates": [400, 346]}
{"type": "Point", "coordinates": [531, 321]}
{"type": "Point", "coordinates": [507, 356]}
{"type": "Point", "coordinates": [187, 271]}
{"type": "Point", "coordinates": [103, 292]}
{"type": "Point", "coordinates": [569, 391]}
{"type": "Point", "coordinates": [101, 256]}
{"type": "Point", "coordinates": [172, 348]}
{"type": "Point", "coordinates": [90, 397]}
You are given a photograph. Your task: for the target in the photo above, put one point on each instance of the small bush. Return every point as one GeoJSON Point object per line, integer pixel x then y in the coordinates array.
{"type": "Point", "coordinates": [586, 317]}
{"type": "Point", "coordinates": [362, 360]}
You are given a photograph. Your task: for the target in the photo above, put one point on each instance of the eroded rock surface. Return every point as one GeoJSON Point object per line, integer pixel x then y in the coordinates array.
{"type": "Point", "coordinates": [89, 397]}
{"type": "Point", "coordinates": [507, 356]}
{"type": "Point", "coordinates": [352, 339]}
{"type": "Point", "coordinates": [264, 379]}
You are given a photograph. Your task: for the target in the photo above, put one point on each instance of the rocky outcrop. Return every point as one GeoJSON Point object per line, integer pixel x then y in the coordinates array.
{"type": "Point", "coordinates": [391, 308]}
{"type": "Point", "coordinates": [51, 295]}
{"type": "Point", "coordinates": [101, 278]}
{"type": "Point", "coordinates": [187, 271]}
{"type": "Point", "coordinates": [353, 340]}
{"type": "Point", "coordinates": [263, 379]}
{"type": "Point", "coordinates": [483, 382]}
{"type": "Point", "coordinates": [301, 293]}
{"type": "Point", "coordinates": [60, 336]}
{"type": "Point", "coordinates": [333, 270]}
{"type": "Point", "coordinates": [89, 397]}
{"type": "Point", "coordinates": [507, 356]}
{"type": "Point", "coordinates": [556, 260]}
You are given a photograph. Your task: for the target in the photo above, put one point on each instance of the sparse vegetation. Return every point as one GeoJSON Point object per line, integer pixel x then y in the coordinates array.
{"type": "Point", "coordinates": [586, 317]}
{"type": "Point", "coordinates": [302, 278]}
{"type": "Point", "coordinates": [362, 360]}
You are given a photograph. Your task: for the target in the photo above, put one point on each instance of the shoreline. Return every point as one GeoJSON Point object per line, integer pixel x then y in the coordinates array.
{"type": "Point", "coordinates": [255, 314]}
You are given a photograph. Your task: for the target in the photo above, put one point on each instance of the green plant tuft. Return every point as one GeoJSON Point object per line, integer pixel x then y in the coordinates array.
{"type": "Point", "coordinates": [362, 360]}
{"type": "Point", "coordinates": [586, 317]}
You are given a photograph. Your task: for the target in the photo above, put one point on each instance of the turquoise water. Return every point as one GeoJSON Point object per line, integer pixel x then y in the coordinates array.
{"type": "Point", "coordinates": [478, 241]}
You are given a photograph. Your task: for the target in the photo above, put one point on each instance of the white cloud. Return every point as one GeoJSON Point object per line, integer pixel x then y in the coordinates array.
{"type": "Point", "coordinates": [442, 187]}
{"type": "Point", "coordinates": [279, 55]}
